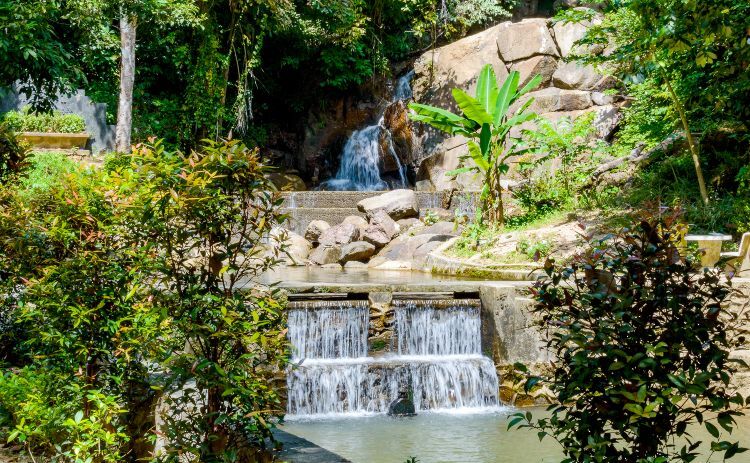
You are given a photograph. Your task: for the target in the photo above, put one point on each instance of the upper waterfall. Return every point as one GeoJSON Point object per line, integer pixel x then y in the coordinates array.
{"type": "Point", "coordinates": [359, 168]}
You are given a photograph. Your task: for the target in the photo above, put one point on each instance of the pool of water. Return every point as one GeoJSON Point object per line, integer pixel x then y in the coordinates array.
{"type": "Point", "coordinates": [444, 438]}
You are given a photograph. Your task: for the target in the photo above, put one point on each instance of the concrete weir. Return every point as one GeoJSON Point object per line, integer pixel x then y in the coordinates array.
{"type": "Point", "coordinates": [504, 325]}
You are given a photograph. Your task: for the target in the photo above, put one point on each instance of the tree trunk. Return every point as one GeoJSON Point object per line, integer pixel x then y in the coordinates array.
{"type": "Point", "coordinates": [691, 142]}
{"type": "Point", "coordinates": [127, 79]}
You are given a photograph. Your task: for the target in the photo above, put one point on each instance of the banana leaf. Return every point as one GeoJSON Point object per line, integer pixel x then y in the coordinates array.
{"type": "Point", "coordinates": [487, 88]}
{"type": "Point", "coordinates": [471, 107]}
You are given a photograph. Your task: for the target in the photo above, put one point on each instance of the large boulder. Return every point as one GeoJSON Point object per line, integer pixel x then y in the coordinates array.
{"type": "Point", "coordinates": [298, 249]}
{"type": "Point", "coordinates": [525, 39]}
{"type": "Point", "coordinates": [315, 229]}
{"type": "Point", "coordinates": [343, 233]}
{"type": "Point", "coordinates": [376, 235]}
{"type": "Point", "coordinates": [568, 33]}
{"type": "Point", "coordinates": [357, 221]}
{"type": "Point", "coordinates": [324, 255]}
{"type": "Point", "coordinates": [554, 99]}
{"type": "Point", "coordinates": [575, 76]}
{"type": "Point", "coordinates": [398, 204]}
{"type": "Point", "coordinates": [544, 65]}
{"type": "Point", "coordinates": [358, 250]}
{"type": "Point", "coordinates": [287, 181]}
{"type": "Point", "coordinates": [457, 64]}
{"type": "Point", "coordinates": [382, 219]}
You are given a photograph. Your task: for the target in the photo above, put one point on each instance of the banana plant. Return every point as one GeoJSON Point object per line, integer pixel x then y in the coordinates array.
{"type": "Point", "coordinates": [486, 120]}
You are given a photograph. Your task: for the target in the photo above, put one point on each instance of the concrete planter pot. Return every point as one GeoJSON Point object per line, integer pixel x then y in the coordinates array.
{"type": "Point", "coordinates": [55, 140]}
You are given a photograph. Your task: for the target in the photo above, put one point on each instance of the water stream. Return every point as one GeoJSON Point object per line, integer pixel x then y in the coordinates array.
{"type": "Point", "coordinates": [438, 360]}
{"type": "Point", "coordinates": [359, 169]}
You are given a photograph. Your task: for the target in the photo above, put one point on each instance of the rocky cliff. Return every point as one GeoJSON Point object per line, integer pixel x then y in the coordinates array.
{"type": "Point", "coordinates": [531, 46]}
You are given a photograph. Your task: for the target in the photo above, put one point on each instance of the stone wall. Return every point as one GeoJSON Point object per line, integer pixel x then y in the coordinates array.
{"type": "Point", "coordinates": [94, 114]}
{"type": "Point", "coordinates": [531, 46]}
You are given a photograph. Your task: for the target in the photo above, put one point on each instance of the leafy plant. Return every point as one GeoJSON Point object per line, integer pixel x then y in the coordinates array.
{"type": "Point", "coordinates": [642, 348]}
{"type": "Point", "coordinates": [534, 250]}
{"type": "Point", "coordinates": [486, 120]}
{"type": "Point", "coordinates": [57, 122]}
{"type": "Point", "coordinates": [12, 152]}
{"type": "Point", "coordinates": [204, 217]}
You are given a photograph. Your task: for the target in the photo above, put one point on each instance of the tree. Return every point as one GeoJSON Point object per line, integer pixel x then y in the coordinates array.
{"type": "Point", "coordinates": [642, 347]}
{"type": "Point", "coordinates": [697, 50]}
{"type": "Point", "coordinates": [35, 50]}
{"type": "Point", "coordinates": [203, 219]}
{"type": "Point", "coordinates": [486, 120]}
{"type": "Point", "coordinates": [96, 18]}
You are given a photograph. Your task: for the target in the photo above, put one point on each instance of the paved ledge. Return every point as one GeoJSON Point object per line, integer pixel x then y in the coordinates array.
{"type": "Point", "coordinates": [298, 450]}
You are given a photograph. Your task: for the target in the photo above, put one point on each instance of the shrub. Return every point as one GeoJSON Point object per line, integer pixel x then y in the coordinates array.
{"type": "Point", "coordinates": [12, 152]}
{"type": "Point", "coordinates": [204, 216]}
{"type": "Point", "coordinates": [45, 171]}
{"type": "Point", "coordinates": [642, 349]}
{"type": "Point", "coordinates": [57, 122]}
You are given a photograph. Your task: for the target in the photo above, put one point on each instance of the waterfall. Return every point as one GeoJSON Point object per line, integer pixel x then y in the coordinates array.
{"type": "Point", "coordinates": [359, 168]}
{"type": "Point", "coordinates": [439, 361]}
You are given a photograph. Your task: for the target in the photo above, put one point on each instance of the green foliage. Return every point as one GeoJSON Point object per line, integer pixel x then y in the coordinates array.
{"type": "Point", "coordinates": [204, 217]}
{"type": "Point", "coordinates": [111, 273]}
{"type": "Point", "coordinates": [26, 121]}
{"type": "Point", "coordinates": [12, 152]}
{"type": "Point", "coordinates": [46, 171]}
{"type": "Point", "coordinates": [534, 249]}
{"type": "Point", "coordinates": [642, 347]}
{"type": "Point", "coordinates": [35, 50]}
{"type": "Point", "coordinates": [41, 411]}
{"type": "Point", "coordinates": [553, 174]}
{"type": "Point", "coordinates": [486, 120]}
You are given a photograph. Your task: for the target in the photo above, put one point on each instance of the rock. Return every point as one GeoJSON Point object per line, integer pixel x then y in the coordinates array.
{"type": "Point", "coordinates": [424, 185]}
{"type": "Point", "coordinates": [376, 235]}
{"type": "Point", "coordinates": [298, 249]}
{"type": "Point", "coordinates": [358, 250]}
{"type": "Point", "coordinates": [441, 228]}
{"type": "Point", "coordinates": [357, 221]}
{"type": "Point", "coordinates": [383, 220]}
{"type": "Point", "coordinates": [601, 99]}
{"type": "Point", "coordinates": [343, 233]}
{"type": "Point", "coordinates": [335, 266]}
{"type": "Point", "coordinates": [402, 407]}
{"type": "Point", "coordinates": [553, 99]}
{"type": "Point", "coordinates": [406, 224]}
{"type": "Point", "coordinates": [544, 65]}
{"type": "Point", "coordinates": [525, 39]}
{"type": "Point", "coordinates": [315, 229]}
{"type": "Point", "coordinates": [567, 34]}
{"type": "Point", "coordinates": [284, 181]}
{"type": "Point", "coordinates": [607, 119]}
{"type": "Point", "coordinates": [420, 254]}
{"type": "Point", "coordinates": [445, 157]}
{"type": "Point", "coordinates": [398, 204]}
{"type": "Point", "coordinates": [355, 264]}
{"type": "Point", "coordinates": [574, 76]}
{"type": "Point", "coordinates": [324, 254]}
{"type": "Point", "coordinates": [396, 121]}
{"type": "Point", "coordinates": [385, 264]}
{"type": "Point", "coordinates": [457, 64]}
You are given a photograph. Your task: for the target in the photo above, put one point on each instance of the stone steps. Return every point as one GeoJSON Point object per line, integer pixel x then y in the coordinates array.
{"type": "Point", "coordinates": [302, 207]}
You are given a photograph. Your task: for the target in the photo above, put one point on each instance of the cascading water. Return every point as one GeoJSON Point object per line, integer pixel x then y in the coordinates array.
{"type": "Point", "coordinates": [359, 169]}
{"type": "Point", "coordinates": [438, 361]}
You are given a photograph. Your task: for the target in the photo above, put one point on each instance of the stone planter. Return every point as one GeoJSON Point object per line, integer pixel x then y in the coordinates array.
{"type": "Point", "coordinates": [55, 140]}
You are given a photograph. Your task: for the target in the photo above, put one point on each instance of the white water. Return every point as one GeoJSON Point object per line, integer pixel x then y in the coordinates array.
{"type": "Point", "coordinates": [360, 160]}
{"type": "Point", "coordinates": [439, 362]}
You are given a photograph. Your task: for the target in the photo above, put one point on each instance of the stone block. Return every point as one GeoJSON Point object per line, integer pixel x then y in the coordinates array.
{"type": "Point", "coordinates": [530, 37]}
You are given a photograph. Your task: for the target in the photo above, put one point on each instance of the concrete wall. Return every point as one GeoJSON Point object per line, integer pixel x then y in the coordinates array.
{"type": "Point", "coordinates": [94, 114]}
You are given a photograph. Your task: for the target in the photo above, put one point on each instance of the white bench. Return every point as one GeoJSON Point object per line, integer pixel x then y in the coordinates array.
{"type": "Point", "coordinates": [739, 261]}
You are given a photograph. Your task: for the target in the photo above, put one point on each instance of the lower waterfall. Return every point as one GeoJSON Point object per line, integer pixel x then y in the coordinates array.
{"type": "Point", "coordinates": [438, 362]}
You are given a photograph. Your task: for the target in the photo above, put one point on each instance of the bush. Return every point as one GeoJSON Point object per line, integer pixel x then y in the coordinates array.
{"type": "Point", "coordinates": [12, 152]}
{"type": "Point", "coordinates": [45, 171]}
{"type": "Point", "coordinates": [642, 346]}
{"type": "Point", "coordinates": [56, 122]}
